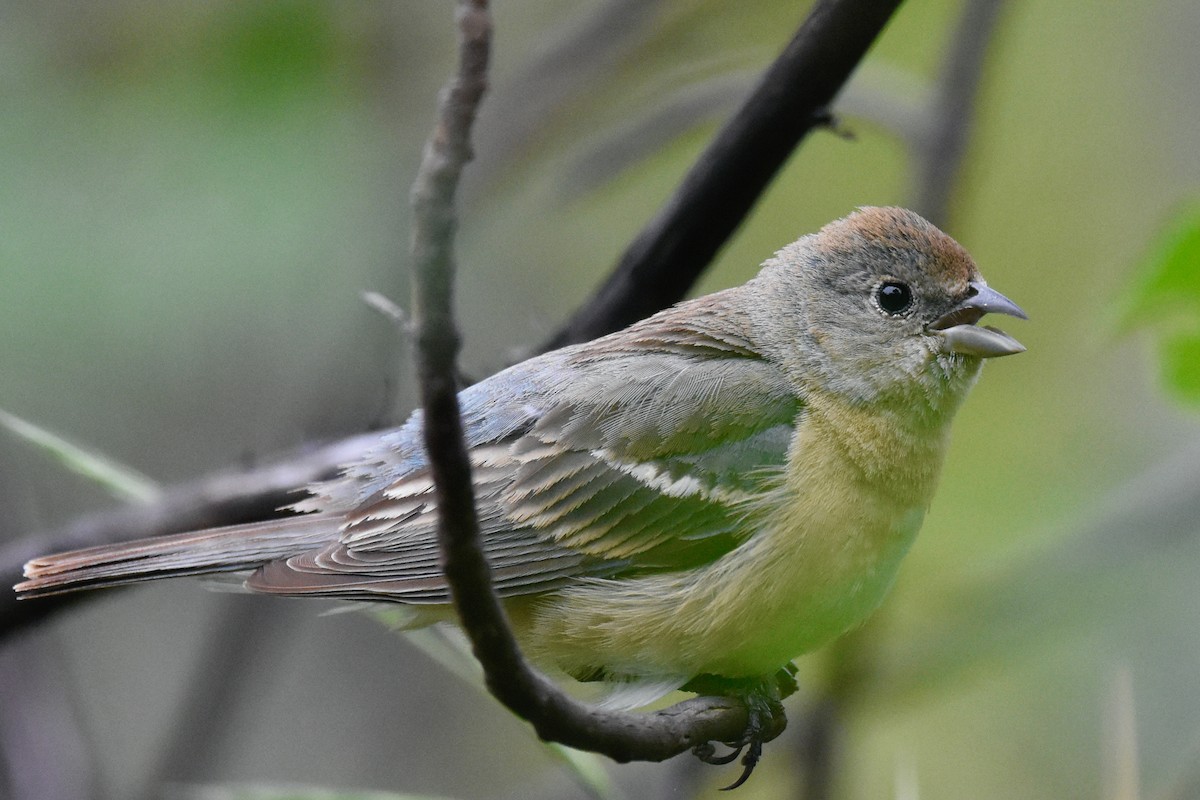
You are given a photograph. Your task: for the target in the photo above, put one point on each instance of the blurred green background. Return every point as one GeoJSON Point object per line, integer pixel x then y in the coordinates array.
{"type": "Point", "coordinates": [195, 195]}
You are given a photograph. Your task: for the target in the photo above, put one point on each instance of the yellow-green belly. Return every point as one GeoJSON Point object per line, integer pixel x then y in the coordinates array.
{"type": "Point", "coordinates": [831, 537]}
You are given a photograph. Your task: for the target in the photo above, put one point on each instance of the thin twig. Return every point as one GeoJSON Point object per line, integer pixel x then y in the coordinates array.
{"type": "Point", "coordinates": [554, 716]}
{"type": "Point", "coordinates": [723, 185]}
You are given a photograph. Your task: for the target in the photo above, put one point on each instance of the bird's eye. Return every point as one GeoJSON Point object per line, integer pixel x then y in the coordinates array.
{"type": "Point", "coordinates": [893, 297]}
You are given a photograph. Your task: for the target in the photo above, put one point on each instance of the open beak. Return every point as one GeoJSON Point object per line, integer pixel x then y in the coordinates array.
{"type": "Point", "coordinates": [960, 333]}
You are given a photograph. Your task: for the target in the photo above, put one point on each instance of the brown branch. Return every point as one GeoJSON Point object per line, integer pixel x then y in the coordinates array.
{"type": "Point", "coordinates": [723, 185]}
{"type": "Point", "coordinates": [554, 716]}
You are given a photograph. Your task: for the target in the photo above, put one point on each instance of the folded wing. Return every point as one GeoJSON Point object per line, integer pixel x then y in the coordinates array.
{"type": "Point", "coordinates": [610, 459]}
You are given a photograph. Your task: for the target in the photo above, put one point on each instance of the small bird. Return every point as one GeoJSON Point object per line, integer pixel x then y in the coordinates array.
{"type": "Point", "coordinates": [709, 493]}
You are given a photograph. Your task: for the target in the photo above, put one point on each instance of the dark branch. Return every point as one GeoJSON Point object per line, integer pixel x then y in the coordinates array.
{"type": "Point", "coordinates": [554, 716]}
{"type": "Point", "coordinates": [718, 192]}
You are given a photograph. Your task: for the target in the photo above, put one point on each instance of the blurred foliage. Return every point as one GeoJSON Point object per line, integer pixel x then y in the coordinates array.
{"type": "Point", "coordinates": [1167, 299]}
{"type": "Point", "coordinates": [197, 193]}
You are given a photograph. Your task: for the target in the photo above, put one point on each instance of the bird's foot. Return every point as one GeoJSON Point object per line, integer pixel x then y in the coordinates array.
{"type": "Point", "coordinates": [764, 709]}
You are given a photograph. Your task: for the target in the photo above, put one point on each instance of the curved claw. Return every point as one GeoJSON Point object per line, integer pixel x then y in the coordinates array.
{"type": "Point", "coordinates": [762, 698]}
{"type": "Point", "coordinates": [707, 753]}
{"type": "Point", "coordinates": [748, 765]}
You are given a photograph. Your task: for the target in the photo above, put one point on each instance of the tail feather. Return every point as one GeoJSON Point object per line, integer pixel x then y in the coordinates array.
{"type": "Point", "coordinates": [237, 547]}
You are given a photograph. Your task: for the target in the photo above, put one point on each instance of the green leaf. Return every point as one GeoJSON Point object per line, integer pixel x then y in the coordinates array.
{"type": "Point", "coordinates": [1167, 300]}
{"type": "Point", "coordinates": [1169, 284]}
{"type": "Point", "coordinates": [122, 481]}
{"type": "Point", "coordinates": [1180, 354]}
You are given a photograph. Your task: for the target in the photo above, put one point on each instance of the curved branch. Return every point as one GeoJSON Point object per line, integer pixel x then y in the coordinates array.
{"type": "Point", "coordinates": [554, 716]}
{"type": "Point", "coordinates": [791, 98]}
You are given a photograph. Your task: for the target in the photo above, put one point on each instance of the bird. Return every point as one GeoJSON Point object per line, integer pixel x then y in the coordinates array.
{"type": "Point", "coordinates": [709, 493]}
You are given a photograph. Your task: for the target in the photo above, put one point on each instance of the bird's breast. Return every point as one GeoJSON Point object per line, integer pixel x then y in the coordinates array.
{"type": "Point", "coordinates": [828, 537]}
{"type": "Point", "coordinates": [831, 537]}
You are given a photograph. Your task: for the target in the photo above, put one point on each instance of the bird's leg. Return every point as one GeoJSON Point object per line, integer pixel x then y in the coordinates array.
{"type": "Point", "coordinates": [763, 698]}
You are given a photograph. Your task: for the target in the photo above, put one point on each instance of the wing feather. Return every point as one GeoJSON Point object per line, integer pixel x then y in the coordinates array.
{"type": "Point", "coordinates": [623, 456]}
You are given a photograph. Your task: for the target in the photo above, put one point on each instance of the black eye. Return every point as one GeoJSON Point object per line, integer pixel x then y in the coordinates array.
{"type": "Point", "coordinates": [894, 297]}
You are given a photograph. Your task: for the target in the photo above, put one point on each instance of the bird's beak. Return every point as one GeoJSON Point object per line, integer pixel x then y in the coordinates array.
{"type": "Point", "coordinates": [960, 333]}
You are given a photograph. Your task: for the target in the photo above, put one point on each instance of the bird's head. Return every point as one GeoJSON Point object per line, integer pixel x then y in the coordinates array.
{"type": "Point", "coordinates": [880, 306]}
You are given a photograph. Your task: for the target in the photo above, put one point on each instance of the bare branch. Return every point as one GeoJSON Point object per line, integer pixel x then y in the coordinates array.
{"type": "Point", "coordinates": [554, 716]}
{"type": "Point", "coordinates": [723, 185]}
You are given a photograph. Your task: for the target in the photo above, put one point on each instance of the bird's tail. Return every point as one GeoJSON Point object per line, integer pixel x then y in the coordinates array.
{"type": "Point", "coordinates": [237, 547]}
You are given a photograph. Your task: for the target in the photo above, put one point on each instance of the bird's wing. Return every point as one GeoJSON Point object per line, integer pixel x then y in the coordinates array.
{"type": "Point", "coordinates": [631, 455]}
